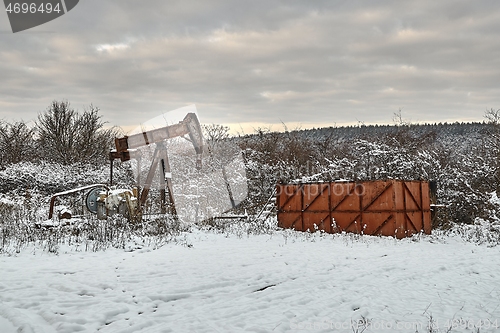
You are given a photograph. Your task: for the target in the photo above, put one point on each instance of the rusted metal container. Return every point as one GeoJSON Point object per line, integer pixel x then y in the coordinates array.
{"type": "Point", "coordinates": [390, 208]}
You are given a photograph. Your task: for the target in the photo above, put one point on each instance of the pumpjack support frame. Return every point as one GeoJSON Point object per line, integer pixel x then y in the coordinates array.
{"type": "Point", "coordinates": [189, 126]}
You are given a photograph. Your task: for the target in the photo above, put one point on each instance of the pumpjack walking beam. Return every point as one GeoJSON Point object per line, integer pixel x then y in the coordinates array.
{"type": "Point", "coordinates": [188, 126]}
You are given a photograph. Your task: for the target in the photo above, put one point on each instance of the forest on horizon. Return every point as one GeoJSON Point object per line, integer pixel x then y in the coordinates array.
{"type": "Point", "coordinates": [67, 148]}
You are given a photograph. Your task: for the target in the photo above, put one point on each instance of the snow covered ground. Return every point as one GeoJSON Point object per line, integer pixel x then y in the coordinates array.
{"type": "Point", "coordinates": [285, 282]}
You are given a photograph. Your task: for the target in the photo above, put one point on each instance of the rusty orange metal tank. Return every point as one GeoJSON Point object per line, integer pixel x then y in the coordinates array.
{"type": "Point", "coordinates": [391, 208]}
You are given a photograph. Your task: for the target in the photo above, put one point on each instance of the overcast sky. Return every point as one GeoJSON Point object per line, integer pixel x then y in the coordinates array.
{"type": "Point", "coordinates": [259, 62]}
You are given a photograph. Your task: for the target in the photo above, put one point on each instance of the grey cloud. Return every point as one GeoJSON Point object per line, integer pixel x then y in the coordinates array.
{"type": "Point", "coordinates": [260, 61]}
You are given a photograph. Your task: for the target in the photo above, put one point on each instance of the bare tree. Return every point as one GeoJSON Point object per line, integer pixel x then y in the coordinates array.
{"type": "Point", "coordinates": [16, 143]}
{"type": "Point", "coordinates": [68, 137]}
{"type": "Point", "coordinates": [220, 150]}
{"type": "Point", "coordinates": [214, 134]}
{"type": "Point", "coordinates": [398, 119]}
{"type": "Point", "coordinates": [492, 116]}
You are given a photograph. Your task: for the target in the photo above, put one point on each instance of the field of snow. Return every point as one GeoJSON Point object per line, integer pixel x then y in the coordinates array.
{"type": "Point", "coordinates": [284, 282]}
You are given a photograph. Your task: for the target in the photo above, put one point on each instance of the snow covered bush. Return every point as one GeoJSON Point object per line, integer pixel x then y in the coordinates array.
{"type": "Point", "coordinates": [50, 177]}
{"type": "Point", "coordinates": [89, 234]}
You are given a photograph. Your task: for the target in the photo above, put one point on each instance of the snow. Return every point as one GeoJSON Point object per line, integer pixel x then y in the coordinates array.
{"type": "Point", "coordinates": [282, 282]}
{"type": "Point", "coordinates": [495, 200]}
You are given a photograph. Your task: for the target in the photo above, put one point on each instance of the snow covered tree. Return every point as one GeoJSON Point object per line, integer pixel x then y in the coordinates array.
{"type": "Point", "coordinates": [492, 145]}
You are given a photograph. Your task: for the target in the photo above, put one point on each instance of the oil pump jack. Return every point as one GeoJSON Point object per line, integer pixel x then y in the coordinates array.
{"type": "Point", "coordinates": [105, 202]}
